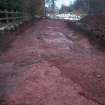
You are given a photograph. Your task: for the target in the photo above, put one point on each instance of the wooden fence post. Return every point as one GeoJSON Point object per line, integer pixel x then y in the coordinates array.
{"type": "Point", "coordinates": [11, 17]}
{"type": "Point", "coordinates": [7, 18]}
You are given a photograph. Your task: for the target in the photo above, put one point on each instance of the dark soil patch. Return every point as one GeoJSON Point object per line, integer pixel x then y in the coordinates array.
{"type": "Point", "coordinates": [6, 38]}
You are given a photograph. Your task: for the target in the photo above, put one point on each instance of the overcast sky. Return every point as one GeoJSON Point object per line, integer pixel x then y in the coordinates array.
{"type": "Point", "coordinates": [59, 3]}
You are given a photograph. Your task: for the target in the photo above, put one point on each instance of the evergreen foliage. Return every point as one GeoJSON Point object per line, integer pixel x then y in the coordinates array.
{"type": "Point", "coordinates": [11, 5]}
{"type": "Point", "coordinates": [92, 6]}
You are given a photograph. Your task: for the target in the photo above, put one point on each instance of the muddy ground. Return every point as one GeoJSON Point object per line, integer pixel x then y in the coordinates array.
{"type": "Point", "coordinates": [52, 64]}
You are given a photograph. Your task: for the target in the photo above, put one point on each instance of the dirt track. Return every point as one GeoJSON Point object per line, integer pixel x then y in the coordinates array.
{"type": "Point", "coordinates": [44, 67]}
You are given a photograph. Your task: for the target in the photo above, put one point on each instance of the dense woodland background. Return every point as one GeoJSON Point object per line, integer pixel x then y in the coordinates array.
{"type": "Point", "coordinates": [88, 6]}
{"type": "Point", "coordinates": [27, 7]}
{"type": "Point", "coordinates": [34, 7]}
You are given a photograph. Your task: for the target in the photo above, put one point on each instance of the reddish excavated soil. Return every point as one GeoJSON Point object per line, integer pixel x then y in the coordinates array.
{"type": "Point", "coordinates": [44, 67]}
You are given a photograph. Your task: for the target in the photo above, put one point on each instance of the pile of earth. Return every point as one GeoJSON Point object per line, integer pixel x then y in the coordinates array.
{"type": "Point", "coordinates": [94, 25]}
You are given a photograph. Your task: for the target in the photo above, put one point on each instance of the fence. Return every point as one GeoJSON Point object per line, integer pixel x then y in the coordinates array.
{"type": "Point", "coordinates": [10, 19]}
{"type": "Point", "coordinates": [10, 16]}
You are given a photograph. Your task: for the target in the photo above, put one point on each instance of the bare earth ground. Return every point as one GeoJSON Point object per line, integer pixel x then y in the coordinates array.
{"type": "Point", "coordinates": [44, 67]}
